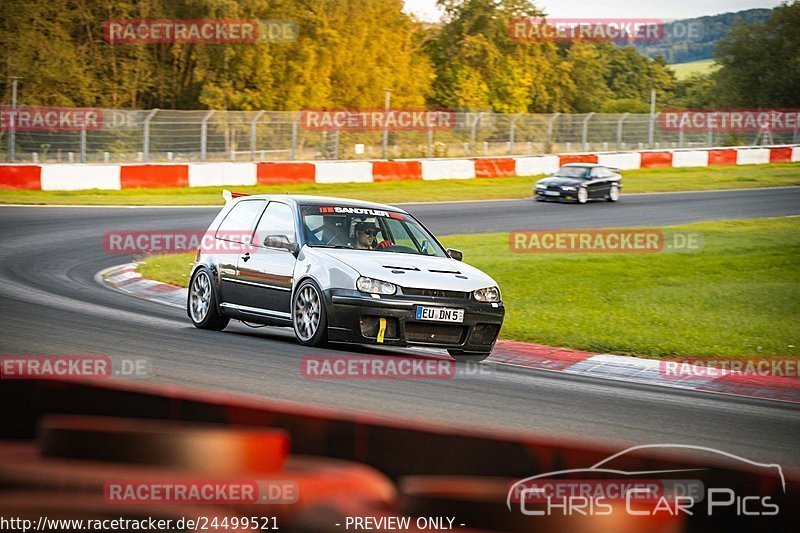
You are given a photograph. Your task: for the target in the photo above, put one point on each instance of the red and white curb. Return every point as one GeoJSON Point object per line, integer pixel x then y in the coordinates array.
{"type": "Point", "coordinates": [125, 278]}
{"type": "Point", "coordinates": [75, 176]}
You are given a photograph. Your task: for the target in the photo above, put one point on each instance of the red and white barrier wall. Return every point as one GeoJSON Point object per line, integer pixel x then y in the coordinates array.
{"type": "Point", "coordinates": [69, 177]}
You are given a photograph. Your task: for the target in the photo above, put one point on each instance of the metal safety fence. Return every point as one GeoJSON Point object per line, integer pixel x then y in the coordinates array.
{"type": "Point", "coordinates": [189, 136]}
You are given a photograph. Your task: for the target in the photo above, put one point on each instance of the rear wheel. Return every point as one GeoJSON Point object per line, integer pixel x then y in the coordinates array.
{"type": "Point", "coordinates": [613, 194]}
{"type": "Point", "coordinates": [309, 318]}
{"type": "Point", "coordinates": [203, 303]}
{"type": "Point", "coordinates": [461, 356]}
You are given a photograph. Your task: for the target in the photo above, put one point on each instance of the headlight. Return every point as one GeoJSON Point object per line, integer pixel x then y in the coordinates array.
{"type": "Point", "coordinates": [375, 286]}
{"type": "Point", "coordinates": [489, 294]}
{"type": "Point", "coordinates": [541, 186]}
{"type": "Point", "coordinates": [567, 188]}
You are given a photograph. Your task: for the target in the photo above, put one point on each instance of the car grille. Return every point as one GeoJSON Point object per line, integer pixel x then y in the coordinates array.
{"type": "Point", "coordinates": [434, 333]}
{"type": "Point", "coordinates": [483, 334]}
{"type": "Point", "coordinates": [436, 293]}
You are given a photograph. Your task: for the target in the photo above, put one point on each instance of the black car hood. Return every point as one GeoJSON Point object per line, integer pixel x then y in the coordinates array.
{"type": "Point", "coordinates": [560, 181]}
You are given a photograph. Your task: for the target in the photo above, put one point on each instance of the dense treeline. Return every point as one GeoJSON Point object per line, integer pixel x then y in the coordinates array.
{"type": "Point", "coordinates": [348, 52]}
{"type": "Point", "coordinates": [694, 39]}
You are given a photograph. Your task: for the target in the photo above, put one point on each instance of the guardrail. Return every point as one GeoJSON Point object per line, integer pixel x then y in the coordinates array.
{"type": "Point", "coordinates": [60, 177]}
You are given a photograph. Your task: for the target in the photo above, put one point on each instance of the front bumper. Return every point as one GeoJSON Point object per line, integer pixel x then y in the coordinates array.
{"type": "Point", "coordinates": [555, 194]}
{"type": "Point", "coordinates": [354, 316]}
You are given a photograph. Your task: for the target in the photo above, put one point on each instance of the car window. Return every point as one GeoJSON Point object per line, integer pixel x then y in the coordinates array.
{"type": "Point", "coordinates": [411, 236]}
{"type": "Point", "coordinates": [380, 230]}
{"type": "Point", "coordinates": [277, 220]}
{"type": "Point", "coordinates": [238, 223]}
{"type": "Point", "coordinates": [572, 172]}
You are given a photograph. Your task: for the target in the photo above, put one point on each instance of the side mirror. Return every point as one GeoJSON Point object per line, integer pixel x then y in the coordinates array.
{"type": "Point", "coordinates": [455, 254]}
{"type": "Point", "coordinates": [280, 241]}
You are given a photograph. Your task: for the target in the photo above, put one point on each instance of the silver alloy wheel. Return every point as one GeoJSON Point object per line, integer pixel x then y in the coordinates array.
{"type": "Point", "coordinates": [200, 297]}
{"type": "Point", "coordinates": [306, 312]}
{"type": "Point", "coordinates": [583, 195]}
{"type": "Point", "coordinates": [613, 194]}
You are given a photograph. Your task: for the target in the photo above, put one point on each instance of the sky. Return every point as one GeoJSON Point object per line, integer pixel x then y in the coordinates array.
{"type": "Point", "coordinates": [661, 9]}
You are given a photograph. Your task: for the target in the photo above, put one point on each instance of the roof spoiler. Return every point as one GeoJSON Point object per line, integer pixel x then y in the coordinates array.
{"type": "Point", "coordinates": [228, 195]}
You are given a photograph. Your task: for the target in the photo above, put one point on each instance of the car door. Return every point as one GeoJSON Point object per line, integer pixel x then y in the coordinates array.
{"type": "Point", "coordinates": [598, 183]}
{"type": "Point", "coordinates": [231, 240]}
{"type": "Point", "coordinates": [265, 271]}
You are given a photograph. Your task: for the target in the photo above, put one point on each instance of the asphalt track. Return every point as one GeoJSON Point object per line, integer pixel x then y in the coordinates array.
{"type": "Point", "coordinates": [50, 304]}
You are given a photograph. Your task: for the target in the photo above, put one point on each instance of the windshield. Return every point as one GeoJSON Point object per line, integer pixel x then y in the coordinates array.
{"type": "Point", "coordinates": [573, 172]}
{"type": "Point", "coordinates": [366, 229]}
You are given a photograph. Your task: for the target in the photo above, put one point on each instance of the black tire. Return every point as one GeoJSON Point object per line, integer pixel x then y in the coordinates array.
{"type": "Point", "coordinates": [309, 322]}
{"type": "Point", "coordinates": [613, 194]}
{"type": "Point", "coordinates": [201, 304]}
{"type": "Point", "coordinates": [582, 195]}
{"type": "Point", "coordinates": [461, 356]}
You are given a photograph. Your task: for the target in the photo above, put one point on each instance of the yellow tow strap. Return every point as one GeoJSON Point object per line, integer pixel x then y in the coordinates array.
{"type": "Point", "coordinates": [382, 330]}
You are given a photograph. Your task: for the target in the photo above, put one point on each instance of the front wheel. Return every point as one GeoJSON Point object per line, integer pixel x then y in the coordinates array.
{"type": "Point", "coordinates": [583, 195]}
{"type": "Point", "coordinates": [203, 303]}
{"type": "Point", "coordinates": [613, 194]}
{"type": "Point", "coordinates": [309, 318]}
{"type": "Point", "coordinates": [461, 356]}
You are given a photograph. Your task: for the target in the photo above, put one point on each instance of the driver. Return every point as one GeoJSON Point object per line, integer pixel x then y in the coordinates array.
{"type": "Point", "coordinates": [365, 237]}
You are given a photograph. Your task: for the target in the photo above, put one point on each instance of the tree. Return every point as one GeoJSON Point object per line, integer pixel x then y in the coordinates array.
{"type": "Point", "coordinates": [760, 61]}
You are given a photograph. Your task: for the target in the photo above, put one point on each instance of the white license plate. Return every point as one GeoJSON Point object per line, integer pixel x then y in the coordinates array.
{"type": "Point", "coordinates": [440, 314]}
{"type": "Point", "coordinates": [552, 193]}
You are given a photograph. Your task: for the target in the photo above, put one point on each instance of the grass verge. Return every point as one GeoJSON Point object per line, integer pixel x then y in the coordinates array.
{"type": "Point", "coordinates": [739, 296]}
{"type": "Point", "coordinates": [645, 180]}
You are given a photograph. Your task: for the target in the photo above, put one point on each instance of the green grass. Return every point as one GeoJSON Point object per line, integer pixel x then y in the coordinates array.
{"type": "Point", "coordinates": [739, 296]}
{"type": "Point", "coordinates": [169, 268]}
{"type": "Point", "coordinates": [646, 180]}
{"type": "Point", "coordinates": [703, 66]}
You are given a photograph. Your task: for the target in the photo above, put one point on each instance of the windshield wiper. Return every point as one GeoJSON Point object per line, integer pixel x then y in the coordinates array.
{"type": "Point", "coordinates": [340, 246]}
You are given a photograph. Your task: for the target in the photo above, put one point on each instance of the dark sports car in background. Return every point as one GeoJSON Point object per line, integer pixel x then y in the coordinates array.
{"type": "Point", "coordinates": [580, 182]}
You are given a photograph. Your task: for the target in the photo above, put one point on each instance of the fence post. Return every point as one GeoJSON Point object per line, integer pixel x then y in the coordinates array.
{"type": "Point", "coordinates": [12, 138]}
{"type": "Point", "coordinates": [473, 133]}
{"type": "Point", "coordinates": [146, 147]}
{"type": "Point", "coordinates": [293, 149]}
{"type": "Point", "coordinates": [680, 136]}
{"type": "Point", "coordinates": [429, 148]}
{"type": "Point", "coordinates": [652, 130]}
{"type": "Point", "coordinates": [550, 125]}
{"type": "Point", "coordinates": [585, 134]}
{"type": "Point", "coordinates": [710, 137]}
{"type": "Point", "coordinates": [253, 135]}
{"type": "Point", "coordinates": [83, 143]}
{"type": "Point", "coordinates": [336, 145]}
{"type": "Point", "coordinates": [204, 135]}
{"type": "Point", "coordinates": [619, 129]}
{"type": "Point", "coordinates": [511, 132]}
